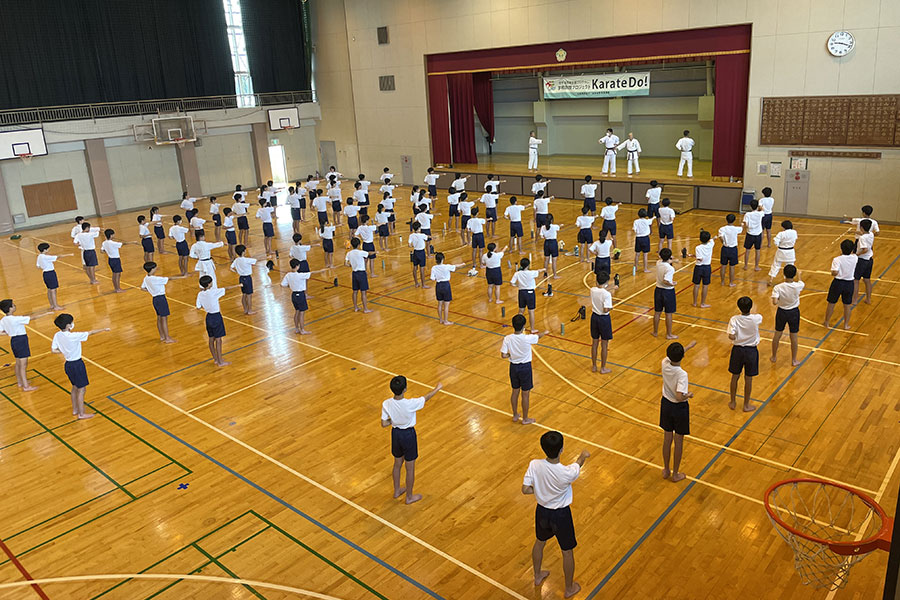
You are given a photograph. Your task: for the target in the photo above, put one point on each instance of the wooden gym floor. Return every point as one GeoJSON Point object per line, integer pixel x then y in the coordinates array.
{"type": "Point", "coordinates": [275, 470]}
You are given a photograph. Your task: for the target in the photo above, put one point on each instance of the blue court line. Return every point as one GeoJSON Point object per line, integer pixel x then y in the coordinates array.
{"type": "Point", "coordinates": [718, 454]}
{"type": "Point", "coordinates": [283, 502]}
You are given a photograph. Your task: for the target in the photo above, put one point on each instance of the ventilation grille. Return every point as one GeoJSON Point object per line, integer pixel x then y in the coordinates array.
{"type": "Point", "coordinates": [383, 35]}
{"type": "Point", "coordinates": [386, 83]}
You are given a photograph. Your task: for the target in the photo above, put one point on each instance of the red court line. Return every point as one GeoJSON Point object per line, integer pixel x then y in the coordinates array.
{"type": "Point", "coordinates": [23, 570]}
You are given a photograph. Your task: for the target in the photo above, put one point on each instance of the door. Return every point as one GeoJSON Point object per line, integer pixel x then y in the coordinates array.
{"type": "Point", "coordinates": [406, 169]}
{"type": "Point", "coordinates": [277, 162]}
{"type": "Point", "coordinates": [796, 192]}
{"type": "Point", "coordinates": [328, 152]}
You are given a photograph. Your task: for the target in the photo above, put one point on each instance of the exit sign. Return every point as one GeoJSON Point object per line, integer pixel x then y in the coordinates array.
{"type": "Point", "coordinates": [273, 142]}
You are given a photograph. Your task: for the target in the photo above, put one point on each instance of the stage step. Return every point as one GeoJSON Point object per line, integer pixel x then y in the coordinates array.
{"type": "Point", "coordinates": [681, 197]}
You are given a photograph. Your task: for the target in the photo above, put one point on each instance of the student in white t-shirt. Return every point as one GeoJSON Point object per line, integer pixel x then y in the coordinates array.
{"type": "Point", "coordinates": [674, 410]}
{"type": "Point", "coordinates": [863, 270]}
{"type": "Point", "coordinates": [686, 146]}
{"type": "Point", "coordinates": [550, 232]}
{"type": "Point", "coordinates": [431, 179]}
{"type": "Point", "coordinates": [517, 348]}
{"type": "Point", "coordinates": [843, 268]}
{"type": "Point", "coordinates": [641, 227]}
{"type": "Point", "coordinates": [357, 259]}
{"type": "Point", "coordinates": [296, 280]}
{"type": "Point", "coordinates": [418, 241]}
{"type": "Point", "coordinates": [608, 216]}
{"type": "Point", "coordinates": [785, 240]}
{"type": "Point", "coordinates": [786, 296]}
{"type": "Point", "coordinates": [68, 342]}
{"type": "Point", "coordinates": [551, 483]}
{"type": "Point", "coordinates": [243, 266]}
{"type": "Point", "coordinates": [664, 299]}
{"type": "Point", "coordinates": [493, 185]}
{"type": "Point", "coordinates": [513, 212]}
{"type": "Point", "coordinates": [601, 251]}
{"type": "Point", "coordinates": [652, 195]}
{"type": "Point", "coordinates": [111, 247]}
{"type": "Point", "coordinates": [524, 279]}
{"type": "Point", "coordinates": [489, 199]}
{"type": "Point", "coordinates": [703, 268]}
{"type": "Point", "coordinates": [440, 274]}
{"type": "Point", "coordinates": [589, 191]}
{"type": "Point", "coordinates": [493, 271]}
{"type": "Point", "coordinates": [767, 202]}
{"type": "Point", "coordinates": [601, 324]}
{"type": "Point", "coordinates": [178, 232]}
{"type": "Point", "coordinates": [86, 240]}
{"type": "Point", "coordinates": [729, 233]}
{"type": "Point", "coordinates": [156, 287]}
{"type": "Point", "coordinates": [585, 225]}
{"type": "Point", "coordinates": [45, 262]}
{"type": "Point", "coordinates": [14, 326]}
{"type": "Point", "coordinates": [743, 331]}
{"type": "Point", "coordinates": [666, 223]}
{"type": "Point", "coordinates": [399, 413]}
{"type": "Point", "coordinates": [753, 237]}
{"type": "Point", "coordinates": [866, 211]}
{"type": "Point", "coordinates": [475, 226]}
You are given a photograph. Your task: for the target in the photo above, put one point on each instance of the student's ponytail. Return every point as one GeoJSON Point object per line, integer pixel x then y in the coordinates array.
{"type": "Point", "coordinates": [490, 249]}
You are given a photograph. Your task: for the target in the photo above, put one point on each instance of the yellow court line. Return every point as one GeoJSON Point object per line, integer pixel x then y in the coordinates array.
{"type": "Point", "coordinates": [637, 293]}
{"type": "Point", "coordinates": [166, 577]}
{"type": "Point", "coordinates": [829, 273]}
{"type": "Point", "coordinates": [655, 427]}
{"type": "Point", "coordinates": [254, 384]}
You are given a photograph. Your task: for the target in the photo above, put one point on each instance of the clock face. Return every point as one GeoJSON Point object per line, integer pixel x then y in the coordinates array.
{"type": "Point", "coordinates": [840, 43]}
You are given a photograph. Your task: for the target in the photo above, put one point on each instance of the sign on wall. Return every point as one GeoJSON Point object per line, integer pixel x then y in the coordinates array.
{"type": "Point", "coordinates": [609, 85]}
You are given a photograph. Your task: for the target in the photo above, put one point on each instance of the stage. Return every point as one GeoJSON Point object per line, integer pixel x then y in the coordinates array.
{"type": "Point", "coordinates": [567, 171]}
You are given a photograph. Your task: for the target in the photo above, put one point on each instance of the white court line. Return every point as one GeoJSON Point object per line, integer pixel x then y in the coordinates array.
{"type": "Point", "coordinates": [256, 383]}
{"type": "Point", "coordinates": [166, 577]}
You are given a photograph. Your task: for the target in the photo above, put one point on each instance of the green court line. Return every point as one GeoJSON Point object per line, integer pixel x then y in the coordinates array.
{"type": "Point", "coordinates": [227, 570]}
{"type": "Point", "coordinates": [67, 445]}
{"type": "Point", "coordinates": [25, 439]}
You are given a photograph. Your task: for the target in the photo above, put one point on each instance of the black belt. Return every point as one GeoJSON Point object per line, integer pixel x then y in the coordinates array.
{"type": "Point", "coordinates": [780, 248]}
{"type": "Point", "coordinates": [608, 150]}
{"type": "Point", "coordinates": [205, 259]}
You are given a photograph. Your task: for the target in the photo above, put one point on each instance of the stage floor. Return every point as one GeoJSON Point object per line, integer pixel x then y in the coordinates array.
{"type": "Point", "coordinates": [576, 166]}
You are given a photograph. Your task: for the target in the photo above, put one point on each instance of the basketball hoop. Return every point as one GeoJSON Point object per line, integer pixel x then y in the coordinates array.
{"type": "Point", "coordinates": [830, 527]}
{"type": "Point", "coordinates": [26, 157]}
{"type": "Point", "coordinates": [180, 141]}
{"type": "Point", "coordinates": [289, 129]}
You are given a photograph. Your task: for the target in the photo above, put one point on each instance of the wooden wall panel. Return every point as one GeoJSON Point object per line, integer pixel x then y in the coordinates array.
{"type": "Point", "coordinates": [49, 198]}
{"type": "Point", "coordinates": [855, 121]}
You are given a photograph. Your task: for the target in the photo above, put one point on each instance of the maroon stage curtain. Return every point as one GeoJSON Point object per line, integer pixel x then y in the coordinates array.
{"type": "Point", "coordinates": [730, 120]}
{"type": "Point", "coordinates": [440, 119]}
{"type": "Point", "coordinates": [462, 117]}
{"type": "Point", "coordinates": [484, 101]}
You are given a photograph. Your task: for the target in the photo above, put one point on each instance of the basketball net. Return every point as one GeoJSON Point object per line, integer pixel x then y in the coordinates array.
{"type": "Point", "coordinates": [289, 129]}
{"type": "Point", "coordinates": [26, 158]}
{"type": "Point", "coordinates": [181, 142]}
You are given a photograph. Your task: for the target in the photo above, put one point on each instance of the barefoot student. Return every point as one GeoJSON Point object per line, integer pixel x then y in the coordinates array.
{"type": "Point", "coordinates": [418, 257]}
{"type": "Point", "coordinates": [585, 224]}
{"type": "Point", "coordinates": [156, 287]}
{"type": "Point", "coordinates": [743, 331]}
{"type": "Point", "coordinates": [111, 248]}
{"type": "Point", "coordinates": [45, 262]}
{"type": "Point", "coordinates": [550, 231]}
{"type": "Point", "coordinates": [513, 212]}
{"type": "Point", "coordinates": [674, 410]}
{"type": "Point", "coordinates": [243, 266]}
{"type": "Point", "coordinates": [296, 280]}
{"type": "Point", "coordinates": [785, 240]}
{"type": "Point", "coordinates": [517, 348]}
{"type": "Point", "coordinates": [863, 270]}
{"type": "Point", "coordinates": [86, 241]}
{"type": "Point", "coordinates": [399, 413]}
{"type": "Point", "coordinates": [208, 300]}
{"type": "Point", "coordinates": [177, 232]}
{"type": "Point", "coordinates": [601, 324]}
{"type": "Point", "coordinates": [753, 237]}
{"type": "Point", "coordinates": [523, 279]}
{"type": "Point", "coordinates": [146, 238]}
{"type": "Point", "coordinates": [67, 342]}
{"type": "Point", "coordinates": [493, 272]}
{"type": "Point", "coordinates": [729, 233]}
{"type": "Point", "coordinates": [703, 268]}
{"type": "Point", "coordinates": [786, 296]}
{"type": "Point", "coordinates": [551, 483]}
{"type": "Point", "coordinates": [641, 229]}
{"type": "Point", "coordinates": [440, 274]}
{"type": "Point", "coordinates": [843, 268]}
{"type": "Point", "coordinates": [357, 259]}
{"type": "Point", "coordinates": [664, 293]}
{"type": "Point", "coordinates": [14, 326]}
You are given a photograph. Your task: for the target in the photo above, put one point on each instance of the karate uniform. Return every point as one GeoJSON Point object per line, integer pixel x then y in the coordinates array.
{"type": "Point", "coordinates": [609, 141]}
{"type": "Point", "coordinates": [632, 149]}
{"type": "Point", "coordinates": [686, 144]}
{"type": "Point", "coordinates": [532, 151]}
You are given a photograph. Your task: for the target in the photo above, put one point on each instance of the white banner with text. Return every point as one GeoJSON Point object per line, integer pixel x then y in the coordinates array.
{"type": "Point", "coordinates": [597, 86]}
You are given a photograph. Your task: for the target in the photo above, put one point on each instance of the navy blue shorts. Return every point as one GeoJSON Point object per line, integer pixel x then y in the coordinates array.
{"type": "Point", "coordinates": [215, 326]}
{"type": "Point", "coordinates": [609, 226]}
{"type": "Point", "coordinates": [728, 255]}
{"type": "Point", "coordinates": [663, 300]}
{"type": "Point", "coordinates": [585, 236]}
{"type": "Point", "coordinates": [359, 281]}
{"type": "Point", "coordinates": [328, 245]}
{"type": "Point", "coordinates": [384, 230]}
{"type": "Point", "coordinates": [115, 264]}
{"type": "Point", "coordinates": [364, 206]}
{"type": "Point", "coordinates": [666, 231]}
{"type": "Point", "coordinates": [147, 244]}
{"type": "Point", "coordinates": [231, 237]}
{"type": "Point", "coordinates": [590, 204]}
{"type": "Point", "coordinates": [789, 317]}
{"type": "Point", "coordinates": [653, 209]}
{"type": "Point", "coordinates": [426, 232]}
{"type": "Point", "coordinates": [336, 206]}
{"type": "Point", "coordinates": [417, 258]}
{"type": "Point", "coordinates": [744, 358]}
{"type": "Point", "coordinates": [555, 522]}
{"type": "Point", "coordinates": [675, 416]}
{"type": "Point", "coordinates": [89, 257]}
{"type": "Point", "coordinates": [541, 219]}
{"type": "Point", "coordinates": [863, 269]}
{"type": "Point", "coordinates": [181, 248]}
{"type": "Point", "coordinates": [601, 327]}
{"type": "Point", "coordinates": [767, 221]}
{"type": "Point", "coordinates": [464, 220]}
{"type": "Point", "coordinates": [19, 346]}
{"type": "Point", "coordinates": [50, 280]}
{"type": "Point", "coordinates": [269, 230]}
{"type": "Point", "coordinates": [188, 214]}
{"type": "Point", "coordinates": [77, 373]}
{"type": "Point", "coordinates": [370, 248]}
{"type": "Point", "coordinates": [161, 306]}
{"type": "Point", "coordinates": [353, 222]}
{"type": "Point", "coordinates": [323, 217]}
{"type": "Point", "coordinates": [526, 299]}
{"type": "Point", "coordinates": [642, 244]}
{"type": "Point", "coordinates": [602, 265]}
{"type": "Point", "coordinates": [515, 229]}
{"type": "Point", "coordinates": [217, 220]}
{"type": "Point", "coordinates": [551, 248]}
{"type": "Point", "coordinates": [490, 214]}
{"type": "Point", "coordinates": [454, 210]}
{"type": "Point", "coordinates": [840, 288]}
{"type": "Point", "coordinates": [295, 213]}
{"type": "Point", "coordinates": [242, 222]}
{"type": "Point", "coordinates": [702, 274]}
{"type": "Point", "coordinates": [432, 190]}
{"type": "Point", "coordinates": [442, 291]}
{"type": "Point", "coordinates": [302, 202]}
{"type": "Point", "coordinates": [160, 232]}
{"type": "Point", "coordinates": [298, 299]}
{"type": "Point", "coordinates": [303, 267]}
{"type": "Point", "coordinates": [404, 444]}
{"type": "Point", "coordinates": [478, 240]}
{"type": "Point", "coordinates": [520, 376]}
{"type": "Point", "coordinates": [753, 241]}
{"type": "Point", "coordinates": [246, 284]}
{"type": "Point", "coordinates": [494, 275]}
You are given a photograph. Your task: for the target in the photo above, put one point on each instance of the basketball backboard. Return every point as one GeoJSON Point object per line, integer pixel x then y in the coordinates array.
{"type": "Point", "coordinates": [281, 118]}
{"type": "Point", "coordinates": [18, 142]}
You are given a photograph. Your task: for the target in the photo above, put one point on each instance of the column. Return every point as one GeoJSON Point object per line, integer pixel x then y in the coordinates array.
{"type": "Point", "coordinates": [101, 182]}
{"type": "Point", "coordinates": [6, 219]}
{"type": "Point", "coordinates": [188, 169]}
{"type": "Point", "coordinates": [259, 143]}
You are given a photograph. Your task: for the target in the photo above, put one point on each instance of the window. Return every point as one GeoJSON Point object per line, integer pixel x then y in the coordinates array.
{"type": "Point", "coordinates": [386, 83]}
{"type": "Point", "coordinates": [243, 82]}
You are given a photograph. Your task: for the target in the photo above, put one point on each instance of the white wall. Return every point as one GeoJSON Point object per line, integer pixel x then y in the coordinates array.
{"type": "Point", "coordinates": [788, 58]}
{"type": "Point", "coordinates": [224, 160]}
{"type": "Point", "coordinates": [143, 174]}
{"type": "Point", "coordinates": [301, 152]}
